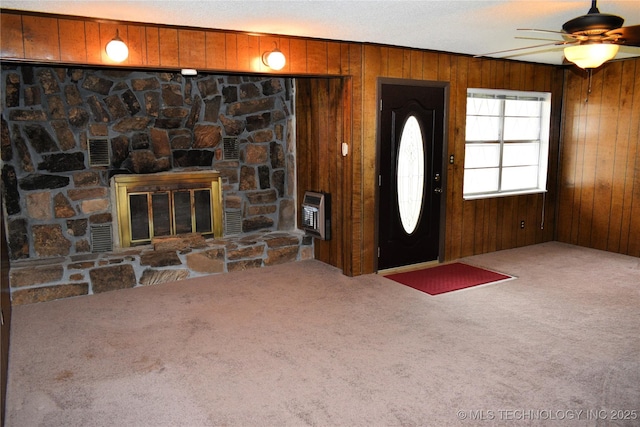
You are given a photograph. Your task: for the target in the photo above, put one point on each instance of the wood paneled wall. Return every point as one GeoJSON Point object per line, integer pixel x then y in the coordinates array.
{"type": "Point", "coordinates": [472, 227]}
{"type": "Point", "coordinates": [599, 189]}
{"type": "Point", "coordinates": [322, 113]}
{"type": "Point", "coordinates": [74, 40]}
{"type": "Point", "coordinates": [477, 226]}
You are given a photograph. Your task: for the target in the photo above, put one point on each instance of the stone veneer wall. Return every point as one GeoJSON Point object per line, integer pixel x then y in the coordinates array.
{"type": "Point", "coordinates": [155, 122]}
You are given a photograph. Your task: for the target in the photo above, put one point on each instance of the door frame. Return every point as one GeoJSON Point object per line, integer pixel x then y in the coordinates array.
{"type": "Point", "coordinates": [445, 155]}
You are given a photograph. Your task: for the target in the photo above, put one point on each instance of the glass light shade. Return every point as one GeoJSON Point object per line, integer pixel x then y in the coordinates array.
{"type": "Point", "coordinates": [591, 55]}
{"type": "Point", "coordinates": [274, 59]}
{"type": "Point", "coordinates": [117, 50]}
{"type": "Point", "coordinates": [410, 181]}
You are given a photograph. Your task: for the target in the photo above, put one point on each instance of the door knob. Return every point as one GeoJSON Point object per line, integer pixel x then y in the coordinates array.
{"type": "Point", "coordinates": [438, 190]}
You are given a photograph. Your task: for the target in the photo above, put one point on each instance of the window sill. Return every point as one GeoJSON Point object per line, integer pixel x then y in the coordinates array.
{"type": "Point", "coordinates": [503, 194]}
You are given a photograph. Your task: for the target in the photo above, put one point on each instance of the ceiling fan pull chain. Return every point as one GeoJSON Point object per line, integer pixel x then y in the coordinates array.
{"type": "Point", "coordinates": [589, 74]}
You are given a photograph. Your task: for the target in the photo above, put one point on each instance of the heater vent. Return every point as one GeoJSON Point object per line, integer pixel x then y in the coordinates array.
{"type": "Point", "coordinates": [231, 149]}
{"type": "Point", "coordinates": [99, 152]}
{"type": "Point", "coordinates": [101, 240]}
{"type": "Point", "coordinates": [232, 222]}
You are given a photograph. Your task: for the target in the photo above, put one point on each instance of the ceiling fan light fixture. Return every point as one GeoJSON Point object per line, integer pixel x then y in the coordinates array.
{"type": "Point", "coordinates": [591, 55]}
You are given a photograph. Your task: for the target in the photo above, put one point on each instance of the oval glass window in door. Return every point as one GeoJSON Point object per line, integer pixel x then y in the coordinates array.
{"type": "Point", "coordinates": [410, 174]}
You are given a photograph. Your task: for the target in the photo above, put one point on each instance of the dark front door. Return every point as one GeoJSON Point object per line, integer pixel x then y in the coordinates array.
{"type": "Point", "coordinates": [411, 143]}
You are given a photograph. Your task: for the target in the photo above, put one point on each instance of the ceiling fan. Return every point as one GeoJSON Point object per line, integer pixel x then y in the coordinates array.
{"type": "Point", "coordinates": [592, 39]}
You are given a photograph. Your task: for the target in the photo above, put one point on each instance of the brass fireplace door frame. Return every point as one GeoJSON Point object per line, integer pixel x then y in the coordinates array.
{"type": "Point", "coordinates": [123, 185]}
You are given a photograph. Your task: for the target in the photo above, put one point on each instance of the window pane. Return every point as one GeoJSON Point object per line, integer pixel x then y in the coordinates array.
{"type": "Point", "coordinates": [483, 106]}
{"type": "Point", "coordinates": [161, 214]}
{"type": "Point", "coordinates": [202, 200]}
{"type": "Point", "coordinates": [410, 174]}
{"type": "Point", "coordinates": [521, 128]}
{"type": "Point", "coordinates": [520, 177]}
{"type": "Point", "coordinates": [480, 180]}
{"type": "Point", "coordinates": [520, 154]}
{"type": "Point", "coordinates": [481, 155]}
{"type": "Point", "coordinates": [483, 128]}
{"type": "Point", "coordinates": [507, 142]}
{"type": "Point", "coordinates": [517, 107]}
{"type": "Point", "coordinates": [182, 207]}
{"type": "Point", "coordinates": [139, 216]}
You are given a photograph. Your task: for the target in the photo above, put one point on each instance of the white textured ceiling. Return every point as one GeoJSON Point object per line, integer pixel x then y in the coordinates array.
{"type": "Point", "coordinates": [470, 27]}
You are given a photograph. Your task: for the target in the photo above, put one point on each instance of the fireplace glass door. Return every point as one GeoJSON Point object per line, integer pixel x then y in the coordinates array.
{"type": "Point", "coordinates": [157, 214]}
{"type": "Point", "coordinates": [167, 205]}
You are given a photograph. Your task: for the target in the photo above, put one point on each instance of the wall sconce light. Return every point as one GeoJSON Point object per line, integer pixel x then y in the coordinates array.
{"type": "Point", "coordinates": [116, 49]}
{"type": "Point", "coordinates": [590, 55]}
{"type": "Point", "coordinates": [274, 59]}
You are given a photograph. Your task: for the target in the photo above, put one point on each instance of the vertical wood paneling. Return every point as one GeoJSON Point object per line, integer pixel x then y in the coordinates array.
{"type": "Point", "coordinates": [334, 160]}
{"type": "Point", "coordinates": [254, 55]}
{"type": "Point", "coordinates": [416, 67]}
{"type": "Point", "coordinates": [215, 45]}
{"type": "Point", "coordinates": [317, 61]}
{"type": "Point", "coordinates": [599, 198]}
{"type": "Point", "coordinates": [347, 173]}
{"type": "Point", "coordinates": [319, 164]}
{"type": "Point", "coordinates": [73, 47]}
{"type": "Point", "coordinates": [298, 59]}
{"type": "Point", "coordinates": [430, 66]}
{"type": "Point", "coordinates": [619, 161]}
{"type": "Point", "coordinates": [406, 63]}
{"type": "Point", "coordinates": [603, 174]}
{"type": "Point", "coordinates": [549, 199]}
{"type": "Point", "coordinates": [168, 44]}
{"type": "Point", "coordinates": [333, 58]}
{"type": "Point", "coordinates": [92, 41]}
{"type": "Point", "coordinates": [41, 38]}
{"type": "Point", "coordinates": [455, 214]}
{"type": "Point", "coordinates": [242, 52]}
{"type": "Point", "coordinates": [137, 44]}
{"type": "Point", "coordinates": [231, 51]}
{"type": "Point", "coordinates": [192, 49]}
{"type": "Point", "coordinates": [362, 245]}
{"type": "Point", "coordinates": [631, 199]}
{"type": "Point", "coordinates": [589, 158]}
{"type": "Point", "coordinates": [11, 36]}
{"type": "Point", "coordinates": [284, 44]}
{"type": "Point", "coordinates": [370, 73]}
{"type": "Point", "coordinates": [395, 60]}
{"type": "Point", "coordinates": [152, 46]}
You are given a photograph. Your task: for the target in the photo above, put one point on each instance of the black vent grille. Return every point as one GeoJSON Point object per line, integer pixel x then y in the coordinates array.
{"type": "Point", "coordinates": [232, 222]}
{"type": "Point", "coordinates": [101, 239]}
{"type": "Point", "coordinates": [231, 149]}
{"type": "Point", "coordinates": [99, 152]}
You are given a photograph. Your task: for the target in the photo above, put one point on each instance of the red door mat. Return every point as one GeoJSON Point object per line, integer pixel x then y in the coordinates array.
{"type": "Point", "coordinates": [446, 278]}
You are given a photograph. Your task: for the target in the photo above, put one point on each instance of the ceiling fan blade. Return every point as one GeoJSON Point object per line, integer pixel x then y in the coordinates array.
{"type": "Point", "coordinates": [536, 30]}
{"type": "Point", "coordinates": [525, 48]}
{"type": "Point", "coordinates": [627, 36]}
{"type": "Point", "coordinates": [537, 38]}
{"type": "Point", "coordinates": [561, 33]}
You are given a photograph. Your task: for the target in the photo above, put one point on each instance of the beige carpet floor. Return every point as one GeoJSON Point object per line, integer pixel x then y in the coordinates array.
{"type": "Point", "coordinates": [303, 345]}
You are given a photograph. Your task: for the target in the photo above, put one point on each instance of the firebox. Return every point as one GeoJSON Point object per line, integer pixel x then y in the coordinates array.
{"type": "Point", "coordinates": [167, 204]}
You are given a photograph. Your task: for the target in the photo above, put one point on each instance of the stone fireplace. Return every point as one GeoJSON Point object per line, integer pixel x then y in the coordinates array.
{"type": "Point", "coordinates": [69, 134]}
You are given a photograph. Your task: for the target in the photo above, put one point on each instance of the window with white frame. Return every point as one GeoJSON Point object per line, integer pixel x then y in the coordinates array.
{"type": "Point", "coordinates": [507, 142]}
